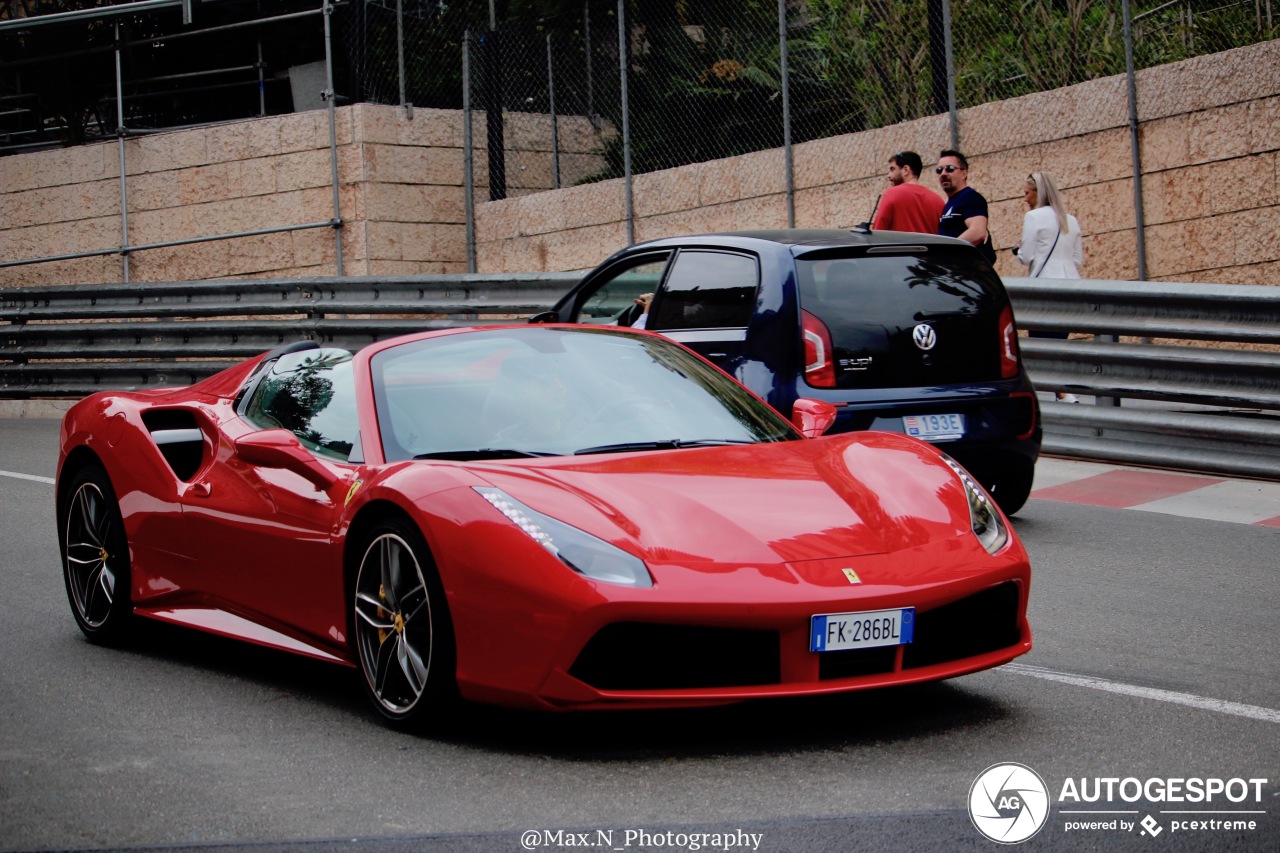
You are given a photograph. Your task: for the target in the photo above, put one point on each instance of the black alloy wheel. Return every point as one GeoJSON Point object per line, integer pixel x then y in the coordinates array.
{"type": "Point", "coordinates": [95, 556]}
{"type": "Point", "coordinates": [401, 627]}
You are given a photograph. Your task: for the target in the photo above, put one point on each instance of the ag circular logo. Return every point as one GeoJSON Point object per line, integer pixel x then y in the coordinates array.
{"type": "Point", "coordinates": [1008, 803]}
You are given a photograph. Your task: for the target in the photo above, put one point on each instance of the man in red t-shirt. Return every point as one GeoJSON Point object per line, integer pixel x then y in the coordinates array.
{"type": "Point", "coordinates": [907, 206]}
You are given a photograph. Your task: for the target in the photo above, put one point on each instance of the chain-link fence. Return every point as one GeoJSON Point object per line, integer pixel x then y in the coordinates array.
{"type": "Point", "coordinates": [706, 79]}
{"type": "Point", "coordinates": [74, 71]}
{"type": "Point", "coordinates": [676, 83]}
{"type": "Point", "coordinates": [658, 83]}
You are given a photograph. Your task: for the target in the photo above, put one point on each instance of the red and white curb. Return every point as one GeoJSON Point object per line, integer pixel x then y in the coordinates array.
{"type": "Point", "coordinates": [1253, 502]}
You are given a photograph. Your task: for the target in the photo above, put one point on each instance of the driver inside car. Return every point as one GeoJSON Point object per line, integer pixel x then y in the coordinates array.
{"type": "Point", "coordinates": [644, 300]}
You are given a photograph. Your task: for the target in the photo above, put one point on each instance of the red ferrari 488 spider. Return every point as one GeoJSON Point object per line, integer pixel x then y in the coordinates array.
{"type": "Point", "coordinates": [553, 517]}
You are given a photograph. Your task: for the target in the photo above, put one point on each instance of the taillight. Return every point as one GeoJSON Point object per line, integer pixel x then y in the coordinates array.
{"type": "Point", "coordinates": [819, 369]}
{"type": "Point", "coordinates": [1008, 344]}
{"type": "Point", "coordinates": [1024, 414]}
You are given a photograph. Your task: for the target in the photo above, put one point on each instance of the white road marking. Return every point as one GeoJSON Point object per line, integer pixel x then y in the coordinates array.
{"type": "Point", "coordinates": [18, 476]}
{"type": "Point", "coordinates": [1252, 712]}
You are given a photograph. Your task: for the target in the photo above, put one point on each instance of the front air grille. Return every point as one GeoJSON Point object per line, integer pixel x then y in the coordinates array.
{"type": "Point", "coordinates": [640, 656]}
{"type": "Point", "coordinates": [971, 626]}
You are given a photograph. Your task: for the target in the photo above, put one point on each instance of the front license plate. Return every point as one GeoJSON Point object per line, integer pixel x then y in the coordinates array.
{"type": "Point", "coordinates": [834, 632]}
{"type": "Point", "coordinates": [934, 427]}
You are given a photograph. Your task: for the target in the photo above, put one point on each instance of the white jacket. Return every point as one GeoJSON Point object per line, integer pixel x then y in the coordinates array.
{"type": "Point", "coordinates": [1039, 228]}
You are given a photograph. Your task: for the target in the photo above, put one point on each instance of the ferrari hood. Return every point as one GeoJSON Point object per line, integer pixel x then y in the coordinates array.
{"type": "Point", "coordinates": [786, 502]}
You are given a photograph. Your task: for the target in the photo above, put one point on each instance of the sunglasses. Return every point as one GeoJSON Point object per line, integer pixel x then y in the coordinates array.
{"type": "Point", "coordinates": [948, 169]}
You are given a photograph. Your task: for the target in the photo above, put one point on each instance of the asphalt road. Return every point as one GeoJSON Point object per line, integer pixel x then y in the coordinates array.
{"type": "Point", "coordinates": [1157, 641]}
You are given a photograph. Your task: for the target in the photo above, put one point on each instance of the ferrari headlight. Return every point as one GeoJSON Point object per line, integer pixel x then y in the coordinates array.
{"type": "Point", "coordinates": [987, 523]}
{"type": "Point", "coordinates": [586, 554]}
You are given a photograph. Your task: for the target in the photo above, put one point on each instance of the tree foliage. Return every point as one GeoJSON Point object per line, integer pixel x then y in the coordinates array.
{"type": "Point", "coordinates": [704, 76]}
{"type": "Point", "coordinates": [858, 64]}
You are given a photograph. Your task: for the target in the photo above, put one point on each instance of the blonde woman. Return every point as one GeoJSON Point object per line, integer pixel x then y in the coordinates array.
{"type": "Point", "coordinates": [1050, 244]}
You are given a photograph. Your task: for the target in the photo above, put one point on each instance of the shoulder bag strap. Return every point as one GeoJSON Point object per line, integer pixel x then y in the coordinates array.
{"type": "Point", "coordinates": [1046, 257]}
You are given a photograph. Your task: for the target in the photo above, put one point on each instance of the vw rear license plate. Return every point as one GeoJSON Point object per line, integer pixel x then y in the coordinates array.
{"type": "Point", "coordinates": [934, 427]}
{"type": "Point", "coordinates": [836, 632]}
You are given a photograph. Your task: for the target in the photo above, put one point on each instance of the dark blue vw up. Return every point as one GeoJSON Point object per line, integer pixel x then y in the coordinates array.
{"type": "Point", "coordinates": [908, 333]}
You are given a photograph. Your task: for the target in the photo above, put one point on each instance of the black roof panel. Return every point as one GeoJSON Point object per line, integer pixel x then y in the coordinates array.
{"type": "Point", "coordinates": [810, 238]}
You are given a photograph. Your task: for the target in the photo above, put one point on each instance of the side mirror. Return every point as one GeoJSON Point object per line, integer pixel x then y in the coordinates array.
{"type": "Point", "coordinates": [812, 417]}
{"type": "Point", "coordinates": [545, 317]}
{"type": "Point", "coordinates": [279, 448]}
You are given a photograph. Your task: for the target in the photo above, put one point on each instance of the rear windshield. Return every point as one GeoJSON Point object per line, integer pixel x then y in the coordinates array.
{"type": "Point", "coordinates": [872, 302]}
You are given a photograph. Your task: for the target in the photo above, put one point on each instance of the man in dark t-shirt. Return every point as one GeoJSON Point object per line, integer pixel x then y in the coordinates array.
{"type": "Point", "coordinates": [965, 213]}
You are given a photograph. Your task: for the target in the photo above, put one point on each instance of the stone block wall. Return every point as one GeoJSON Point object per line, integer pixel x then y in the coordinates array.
{"type": "Point", "coordinates": [401, 196]}
{"type": "Point", "coordinates": [1209, 131]}
{"type": "Point", "coordinates": [1209, 145]}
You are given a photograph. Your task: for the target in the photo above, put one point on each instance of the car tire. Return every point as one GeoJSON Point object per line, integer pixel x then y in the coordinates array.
{"type": "Point", "coordinates": [1011, 489]}
{"type": "Point", "coordinates": [95, 557]}
{"type": "Point", "coordinates": [401, 629]}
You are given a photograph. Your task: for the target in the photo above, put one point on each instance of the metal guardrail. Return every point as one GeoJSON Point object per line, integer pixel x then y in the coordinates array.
{"type": "Point", "coordinates": [1185, 375]}
{"type": "Point", "coordinates": [69, 341]}
{"type": "Point", "coordinates": [1225, 416]}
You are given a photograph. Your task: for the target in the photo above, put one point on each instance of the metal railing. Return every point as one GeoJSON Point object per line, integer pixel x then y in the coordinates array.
{"type": "Point", "coordinates": [668, 84]}
{"type": "Point", "coordinates": [1184, 375]}
{"type": "Point", "coordinates": [1211, 350]}
{"type": "Point", "coordinates": [69, 341]}
{"type": "Point", "coordinates": [98, 17]}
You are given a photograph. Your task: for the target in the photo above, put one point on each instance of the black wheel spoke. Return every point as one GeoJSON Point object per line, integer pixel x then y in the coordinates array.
{"type": "Point", "coordinates": [94, 555]}
{"type": "Point", "coordinates": [390, 568]}
{"type": "Point", "coordinates": [97, 587]}
{"type": "Point", "coordinates": [107, 583]}
{"type": "Point", "coordinates": [107, 529]}
{"type": "Point", "coordinates": [413, 603]}
{"type": "Point", "coordinates": [384, 665]}
{"type": "Point", "coordinates": [88, 525]}
{"type": "Point", "coordinates": [369, 608]}
{"type": "Point", "coordinates": [415, 671]}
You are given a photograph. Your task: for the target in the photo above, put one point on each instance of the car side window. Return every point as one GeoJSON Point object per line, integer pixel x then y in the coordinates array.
{"type": "Point", "coordinates": [707, 290]}
{"type": "Point", "coordinates": [312, 394]}
{"type": "Point", "coordinates": [613, 300]}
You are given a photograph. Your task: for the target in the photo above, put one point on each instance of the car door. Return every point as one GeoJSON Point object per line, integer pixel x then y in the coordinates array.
{"type": "Point", "coordinates": [707, 301]}
{"type": "Point", "coordinates": [610, 295]}
{"type": "Point", "coordinates": [263, 535]}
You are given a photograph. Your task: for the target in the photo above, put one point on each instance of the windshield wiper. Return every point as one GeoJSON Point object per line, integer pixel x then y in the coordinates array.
{"type": "Point", "coordinates": [484, 453]}
{"type": "Point", "coordinates": [667, 444]}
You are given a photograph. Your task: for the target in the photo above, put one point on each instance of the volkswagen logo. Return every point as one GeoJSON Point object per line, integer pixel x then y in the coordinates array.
{"type": "Point", "coordinates": [924, 336]}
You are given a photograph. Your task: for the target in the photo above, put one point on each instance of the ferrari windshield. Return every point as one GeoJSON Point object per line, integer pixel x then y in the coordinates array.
{"type": "Point", "coordinates": [539, 390]}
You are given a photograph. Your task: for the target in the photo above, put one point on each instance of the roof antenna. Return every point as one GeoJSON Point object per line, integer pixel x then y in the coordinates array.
{"type": "Point", "coordinates": [865, 227]}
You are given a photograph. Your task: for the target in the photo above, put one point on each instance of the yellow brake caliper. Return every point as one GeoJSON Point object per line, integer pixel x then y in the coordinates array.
{"type": "Point", "coordinates": [382, 614]}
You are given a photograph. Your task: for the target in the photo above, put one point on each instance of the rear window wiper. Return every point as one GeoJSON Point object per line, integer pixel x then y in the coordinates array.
{"type": "Point", "coordinates": [484, 453]}
{"type": "Point", "coordinates": [667, 444]}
